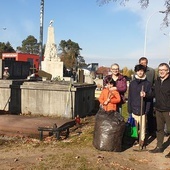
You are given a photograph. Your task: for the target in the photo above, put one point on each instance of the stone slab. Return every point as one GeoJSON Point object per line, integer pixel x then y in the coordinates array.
{"type": "Point", "coordinates": [55, 68]}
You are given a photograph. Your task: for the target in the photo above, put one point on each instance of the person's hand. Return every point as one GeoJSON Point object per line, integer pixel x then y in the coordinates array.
{"type": "Point", "coordinates": [112, 88]}
{"type": "Point", "coordinates": [101, 106]}
{"type": "Point", "coordinates": [110, 95]}
{"type": "Point", "coordinates": [142, 94]}
{"type": "Point", "coordinates": [106, 102]}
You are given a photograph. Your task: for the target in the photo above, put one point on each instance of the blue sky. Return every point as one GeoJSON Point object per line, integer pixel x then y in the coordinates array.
{"type": "Point", "coordinates": [107, 34]}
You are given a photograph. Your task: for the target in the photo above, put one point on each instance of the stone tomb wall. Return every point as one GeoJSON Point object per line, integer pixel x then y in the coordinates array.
{"type": "Point", "coordinates": [47, 98]}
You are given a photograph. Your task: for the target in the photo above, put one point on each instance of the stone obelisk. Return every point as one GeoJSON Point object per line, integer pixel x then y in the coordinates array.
{"type": "Point", "coordinates": [52, 63]}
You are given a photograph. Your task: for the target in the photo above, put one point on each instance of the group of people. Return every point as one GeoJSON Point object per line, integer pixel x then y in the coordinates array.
{"type": "Point", "coordinates": [146, 95]}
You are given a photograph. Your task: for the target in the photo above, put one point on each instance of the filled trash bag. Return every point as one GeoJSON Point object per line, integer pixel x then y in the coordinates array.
{"type": "Point", "coordinates": [108, 131]}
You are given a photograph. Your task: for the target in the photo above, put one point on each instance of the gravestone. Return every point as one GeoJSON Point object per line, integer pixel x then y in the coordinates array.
{"type": "Point", "coordinates": [52, 63]}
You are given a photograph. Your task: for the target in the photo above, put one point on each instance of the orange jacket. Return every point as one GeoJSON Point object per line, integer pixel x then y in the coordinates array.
{"type": "Point", "coordinates": [114, 99]}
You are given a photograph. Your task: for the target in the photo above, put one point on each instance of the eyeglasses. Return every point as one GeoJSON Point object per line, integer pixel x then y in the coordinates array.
{"type": "Point", "coordinates": [114, 69]}
{"type": "Point", "coordinates": [162, 69]}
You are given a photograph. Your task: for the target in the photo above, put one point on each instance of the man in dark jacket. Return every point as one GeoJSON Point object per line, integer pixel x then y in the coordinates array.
{"type": "Point", "coordinates": [151, 120]}
{"type": "Point", "coordinates": [162, 106]}
{"type": "Point", "coordinates": [138, 85]}
{"type": "Point", "coordinates": [150, 72]}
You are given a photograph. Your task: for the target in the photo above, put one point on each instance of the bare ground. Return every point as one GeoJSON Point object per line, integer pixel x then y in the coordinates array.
{"type": "Point", "coordinates": [76, 152]}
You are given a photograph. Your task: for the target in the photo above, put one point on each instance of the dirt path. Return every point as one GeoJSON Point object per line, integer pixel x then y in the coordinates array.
{"type": "Point", "coordinates": [75, 152]}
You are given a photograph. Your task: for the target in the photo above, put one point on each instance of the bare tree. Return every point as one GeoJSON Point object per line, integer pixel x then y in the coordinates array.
{"type": "Point", "coordinates": [144, 4]}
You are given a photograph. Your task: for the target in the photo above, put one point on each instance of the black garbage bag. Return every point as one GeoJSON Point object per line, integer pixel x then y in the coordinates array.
{"type": "Point", "coordinates": [108, 131]}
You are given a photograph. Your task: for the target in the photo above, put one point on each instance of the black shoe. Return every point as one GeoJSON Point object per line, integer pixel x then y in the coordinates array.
{"type": "Point", "coordinates": [156, 150]}
{"type": "Point", "coordinates": [166, 134]}
{"type": "Point", "coordinates": [168, 155]}
{"type": "Point", "coordinates": [153, 135]}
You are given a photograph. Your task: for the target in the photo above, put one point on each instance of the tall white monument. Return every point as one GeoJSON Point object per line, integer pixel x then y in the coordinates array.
{"type": "Point", "coordinates": [52, 63]}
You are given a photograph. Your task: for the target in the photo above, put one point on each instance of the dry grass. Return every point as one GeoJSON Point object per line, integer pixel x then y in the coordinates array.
{"type": "Point", "coordinates": [74, 153]}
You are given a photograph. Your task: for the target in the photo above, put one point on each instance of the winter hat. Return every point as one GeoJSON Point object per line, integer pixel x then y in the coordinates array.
{"type": "Point", "coordinates": [140, 67]}
{"type": "Point", "coordinates": [6, 68]}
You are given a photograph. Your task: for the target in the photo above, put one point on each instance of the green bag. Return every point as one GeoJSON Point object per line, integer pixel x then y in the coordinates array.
{"type": "Point", "coordinates": [134, 132]}
{"type": "Point", "coordinates": [131, 129]}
